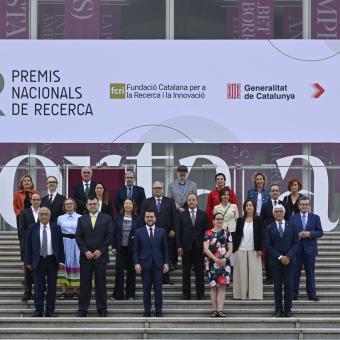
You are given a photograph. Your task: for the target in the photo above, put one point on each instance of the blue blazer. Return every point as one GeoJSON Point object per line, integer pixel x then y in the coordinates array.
{"type": "Point", "coordinates": [308, 246]}
{"type": "Point", "coordinates": [276, 245]}
{"type": "Point", "coordinates": [32, 251]}
{"type": "Point", "coordinates": [118, 232]}
{"type": "Point", "coordinates": [138, 195]}
{"type": "Point", "coordinates": [148, 252]}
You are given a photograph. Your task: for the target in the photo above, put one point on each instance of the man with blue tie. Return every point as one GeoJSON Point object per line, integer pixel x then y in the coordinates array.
{"type": "Point", "coordinates": [281, 243]}
{"type": "Point", "coordinates": [309, 230]}
{"type": "Point", "coordinates": [151, 260]}
{"type": "Point", "coordinates": [129, 190]}
{"type": "Point", "coordinates": [44, 252]}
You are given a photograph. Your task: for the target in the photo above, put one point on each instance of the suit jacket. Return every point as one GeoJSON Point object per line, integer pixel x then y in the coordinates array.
{"type": "Point", "coordinates": [257, 233]}
{"type": "Point", "coordinates": [167, 215]}
{"type": "Point", "coordinates": [26, 218]}
{"type": "Point", "coordinates": [138, 195]}
{"type": "Point", "coordinates": [308, 246]}
{"type": "Point", "coordinates": [56, 207]}
{"type": "Point", "coordinates": [147, 252]}
{"type": "Point", "coordinates": [276, 245]}
{"type": "Point", "coordinates": [89, 239]}
{"type": "Point", "coordinates": [118, 232]}
{"type": "Point", "coordinates": [33, 244]}
{"type": "Point", "coordinates": [80, 197]}
{"type": "Point", "coordinates": [187, 234]}
{"type": "Point", "coordinates": [179, 198]}
{"type": "Point", "coordinates": [267, 212]}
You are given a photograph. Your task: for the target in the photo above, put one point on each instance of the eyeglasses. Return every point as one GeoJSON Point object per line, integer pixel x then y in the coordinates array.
{"type": "Point", "coordinates": [86, 172]}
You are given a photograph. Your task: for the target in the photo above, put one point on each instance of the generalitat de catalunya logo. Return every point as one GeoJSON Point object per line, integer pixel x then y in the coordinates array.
{"type": "Point", "coordinates": [233, 91]}
{"type": "Point", "coordinates": [2, 85]}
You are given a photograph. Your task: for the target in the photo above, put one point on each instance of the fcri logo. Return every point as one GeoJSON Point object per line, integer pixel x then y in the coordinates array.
{"type": "Point", "coordinates": [233, 91]}
{"type": "Point", "coordinates": [117, 91]}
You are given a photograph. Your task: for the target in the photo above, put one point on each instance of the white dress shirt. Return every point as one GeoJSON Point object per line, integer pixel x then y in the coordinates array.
{"type": "Point", "coordinates": [49, 241]}
{"type": "Point", "coordinates": [153, 230]}
{"type": "Point", "coordinates": [35, 214]}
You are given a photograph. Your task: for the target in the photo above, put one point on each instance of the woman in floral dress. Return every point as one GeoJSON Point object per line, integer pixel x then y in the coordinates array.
{"type": "Point", "coordinates": [218, 248]}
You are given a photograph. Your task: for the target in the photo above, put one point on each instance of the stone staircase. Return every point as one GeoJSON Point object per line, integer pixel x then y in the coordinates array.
{"type": "Point", "coordinates": [182, 319]}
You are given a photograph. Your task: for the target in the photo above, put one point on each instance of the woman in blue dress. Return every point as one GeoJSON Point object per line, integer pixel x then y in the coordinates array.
{"type": "Point", "coordinates": [69, 275]}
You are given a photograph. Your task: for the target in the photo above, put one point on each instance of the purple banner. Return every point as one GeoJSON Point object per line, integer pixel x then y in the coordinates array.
{"type": "Point", "coordinates": [51, 21]}
{"type": "Point", "coordinates": [291, 18]}
{"type": "Point", "coordinates": [82, 19]}
{"type": "Point", "coordinates": [14, 19]}
{"type": "Point", "coordinates": [325, 19]}
{"type": "Point", "coordinates": [110, 21]}
{"type": "Point", "coordinates": [232, 22]}
{"type": "Point", "coordinates": [256, 19]}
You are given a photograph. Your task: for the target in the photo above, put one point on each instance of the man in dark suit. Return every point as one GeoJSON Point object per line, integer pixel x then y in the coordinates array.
{"type": "Point", "coordinates": [281, 243]}
{"type": "Point", "coordinates": [165, 210]}
{"type": "Point", "coordinates": [131, 191]}
{"type": "Point", "coordinates": [27, 217]}
{"type": "Point", "coordinates": [93, 235]}
{"type": "Point", "coordinates": [309, 229]}
{"type": "Point", "coordinates": [268, 218]}
{"type": "Point", "coordinates": [44, 253]}
{"type": "Point", "coordinates": [53, 200]}
{"type": "Point", "coordinates": [151, 259]}
{"type": "Point", "coordinates": [192, 224]}
{"type": "Point", "coordinates": [83, 190]}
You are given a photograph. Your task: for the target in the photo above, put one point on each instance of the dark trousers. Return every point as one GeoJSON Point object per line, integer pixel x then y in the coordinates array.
{"type": "Point", "coordinates": [172, 251]}
{"type": "Point", "coordinates": [308, 262]}
{"type": "Point", "coordinates": [28, 276]}
{"type": "Point", "coordinates": [47, 267]}
{"type": "Point", "coordinates": [124, 262]}
{"type": "Point", "coordinates": [283, 275]}
{"type": "Point", "coordinates": [194, 258]}
{"type": "Point", "coordinates": [152, 278]}
{"type": "Point", "coordinates": [86, 272]}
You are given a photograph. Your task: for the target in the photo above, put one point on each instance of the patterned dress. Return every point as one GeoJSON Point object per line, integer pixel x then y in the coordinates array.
{"type": "Point", "coordinates": [69, 274]}
{"type": "Point", "coordinates": [218, 275]}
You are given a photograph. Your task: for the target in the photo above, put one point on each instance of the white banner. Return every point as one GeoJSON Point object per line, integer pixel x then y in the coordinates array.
{"type": "Point", "coordinates": [169, 91]}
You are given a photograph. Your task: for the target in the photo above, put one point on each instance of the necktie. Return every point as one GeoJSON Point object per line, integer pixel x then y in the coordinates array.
{"type": "Point", "coordinates": [129, 192]}
{"type": "Point", "coordinates": [158, 204]}
{"type": "Point", "coordinates": [275, 202]}
{"type": "Point", "coordinates": [51, 197]}
{"type": "Point", "coordinates": [43, 250]}
{"type": "Point", "coordinates": [304, 221]}
{"type": "Point", "coordinates": [87, 189]}
{"type": "Point", "coordinates": [193, 217]}
{"type": "Point", "coordinates": [151, 233]}
{"type": "Point", "coordinates": [93, 220]}
{"type": "Point", "coordinates": [280, 229]}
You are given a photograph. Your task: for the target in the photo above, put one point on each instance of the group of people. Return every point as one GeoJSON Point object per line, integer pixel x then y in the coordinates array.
{"type": "Point", "coordinates": [65, 240]}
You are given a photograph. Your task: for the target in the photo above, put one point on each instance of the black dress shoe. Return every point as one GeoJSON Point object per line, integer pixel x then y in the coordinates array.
{"type": "Point", "coordinates": [49, 314]}
{"type": "Point", "coordinates": [288, 314]}
{"type": "Point", "coordinates": [158, 315]}
{"type": "Point", "coordinates": [27, 296]}
{"type": "Point", "coordinates": [82, 314]}
{"type": "Point", "coordinates": [38, 314]}
{"type": "Point", "coordinates": [146, 314]}
{"type": "Point", "coordinates": [102, 314]}
{"type": "Point", "coordinates": [200, 297]}
{"type": "Point", "coordinates": [269, 281]}
{"type": "Point", "coordinates": [313, 298]}
{"type": "Point", "coordinates": [278, 314]}
{"type": "Point", "coordinates": [295, 298]}
{"type": "Point", "coordinates": [186, 297]}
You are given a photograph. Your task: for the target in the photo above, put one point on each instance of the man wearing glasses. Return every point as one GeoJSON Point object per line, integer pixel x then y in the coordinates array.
{"type": "Point", "coordinates": [309, 229]}
{"type": "Point", "coordinates": [83, 190]}
{"type": "Point", "coordinates": [53, 200]}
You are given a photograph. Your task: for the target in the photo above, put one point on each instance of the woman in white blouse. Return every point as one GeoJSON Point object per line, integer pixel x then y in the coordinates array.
{"type": "Point", "coordinates": [228, 210]}
{"type": "Point", "coordinates": [247, 240]}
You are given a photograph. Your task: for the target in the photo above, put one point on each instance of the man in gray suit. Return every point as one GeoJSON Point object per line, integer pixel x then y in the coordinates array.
{"type": "Point", "coordinates": [181, 188]}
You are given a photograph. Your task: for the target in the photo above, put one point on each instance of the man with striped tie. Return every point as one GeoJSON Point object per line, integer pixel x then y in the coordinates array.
{"type": "Point", "coordinates": [281, 244]}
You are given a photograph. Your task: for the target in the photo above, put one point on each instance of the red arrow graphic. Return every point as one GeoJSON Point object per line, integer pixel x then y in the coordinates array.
{"type": "Point", "coordinates": [319, 90]}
